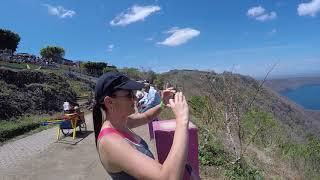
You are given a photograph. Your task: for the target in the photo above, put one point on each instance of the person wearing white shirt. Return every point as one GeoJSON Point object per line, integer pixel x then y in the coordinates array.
{"type": "Point", "coordinates": [67, 107]}
{"type": "Point", "coordinates": [151, 99]}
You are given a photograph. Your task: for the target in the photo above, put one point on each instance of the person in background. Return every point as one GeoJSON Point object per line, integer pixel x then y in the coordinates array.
{"type": "Point", "coordinates": [151, 99]}
{"type": "Point", "coordinates": [79, 113]}
{"type": "Point", "coordinates": [139, 94]}
{"type": "Point", "coordinates": [143, 101]}
{"type": "Point", "coordinates": [67, 108]}
{"type": "Point", "coordinates": [124, 154]}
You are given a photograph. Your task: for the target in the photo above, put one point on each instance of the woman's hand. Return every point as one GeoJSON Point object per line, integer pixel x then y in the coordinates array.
{"type": "Point", "coordinates": [167, 94]}
{"type": "Point", "coordinates": [180, 108]}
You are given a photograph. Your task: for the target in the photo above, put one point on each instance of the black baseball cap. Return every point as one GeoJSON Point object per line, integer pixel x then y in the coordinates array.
{"type": "Point", "coordinates": [110, 82]}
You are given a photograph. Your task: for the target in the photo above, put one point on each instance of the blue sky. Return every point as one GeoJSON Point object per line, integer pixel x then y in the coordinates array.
{"type": "Point", "coordinates": [247, 36]}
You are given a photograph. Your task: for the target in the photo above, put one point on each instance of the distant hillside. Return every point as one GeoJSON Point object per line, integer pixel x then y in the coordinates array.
{"type": "Point", "coordinates": [291, 83]}
{"type": "Point", "coordinates": [288, 113]}
{"type": "Point", "coordinates": [284, 84]}
{"type": "Point", "coordinates": [273, 138]}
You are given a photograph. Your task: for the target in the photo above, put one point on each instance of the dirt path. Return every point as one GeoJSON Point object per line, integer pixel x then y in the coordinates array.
{"type": "Point", "coordinates": [40, 157]}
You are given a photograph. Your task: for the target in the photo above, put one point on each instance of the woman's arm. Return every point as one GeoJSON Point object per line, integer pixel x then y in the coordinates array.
{"type": "Point", "coordinates": [138, 119]}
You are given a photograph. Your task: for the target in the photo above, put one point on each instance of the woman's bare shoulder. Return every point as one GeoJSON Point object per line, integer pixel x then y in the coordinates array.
{"type": "Point", "coordinates": [118, 155]}
{"type": "Point", "coordinates": [108, 146]}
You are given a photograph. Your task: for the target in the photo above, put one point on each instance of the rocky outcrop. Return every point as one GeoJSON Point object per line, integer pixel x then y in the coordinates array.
{"type": "Point", "coordinates": [32, 92]}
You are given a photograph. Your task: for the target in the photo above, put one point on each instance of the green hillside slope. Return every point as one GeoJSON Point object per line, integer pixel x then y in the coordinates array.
{"type": "Point", "coordinates": [248, 131]}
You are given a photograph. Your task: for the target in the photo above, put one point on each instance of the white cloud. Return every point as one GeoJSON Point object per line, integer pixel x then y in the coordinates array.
{"type": "Point", "coordinates": [255, 11]}
{"type": "Point", "coordinates": [311, 8]}
{"type": "Point", "coordinates": [260, 14]}
{"type": "Point", "coordinates": [266, 17]}
{"type": "Point", "coordinates": [179, 36]}
{"type": "Point", "coordinates": [110, 47]}
{"type": "Point", "coordinates": [134, 14]}
{"type": "Point", "coordinates": [60, 11]}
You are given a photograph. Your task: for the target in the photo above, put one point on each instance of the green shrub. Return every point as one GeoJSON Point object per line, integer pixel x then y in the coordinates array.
{"type": "Point", "coordinates": [303, 157]}
{"type": "Point", "coordinates": [110, 69]}
{"type": "Point", "coordinates": [260, 128]}
{"type": "Point", "coordinates": [211, 152]}
{"type": "Point", "coordinates": [242, 171]}
{"type": "Point", "coordinates": [207, 113]}
{"type": "Point", "coordinates": [80, 88]}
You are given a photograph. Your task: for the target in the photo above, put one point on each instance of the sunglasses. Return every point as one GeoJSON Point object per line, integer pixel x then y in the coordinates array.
{"type": "Point", "coordinates": [130, 95]}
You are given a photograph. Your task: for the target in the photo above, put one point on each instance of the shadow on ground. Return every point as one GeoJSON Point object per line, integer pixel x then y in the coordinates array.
{"type": "Point", "coordinates": [79, 137]}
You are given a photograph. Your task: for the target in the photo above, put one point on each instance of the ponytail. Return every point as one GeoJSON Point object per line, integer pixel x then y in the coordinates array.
{"type": "Point", "coordinates": [97, 120]}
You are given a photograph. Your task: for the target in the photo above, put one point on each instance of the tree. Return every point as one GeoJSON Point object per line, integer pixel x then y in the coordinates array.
{"type": "Point", "coordinates": [52, 52]}
{"type": "Point", "coordinates": [148, 74]}
{"type": "Point", "coordinates": [133, 73]}
{"type": "Point", "coordinates": [9, 40]}
{"type": "Point", "coordinates": [110, 69]}
{"type": "Point", "coordinates": [95, 68]}
{"type": "Point", "coordinates": [159, 81]}
{"type": "Point", "coordinates": [229, 97]}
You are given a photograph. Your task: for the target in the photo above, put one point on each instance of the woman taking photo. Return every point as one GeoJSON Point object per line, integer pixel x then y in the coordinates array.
{"type": "Point", "coordinates": [124, 154]}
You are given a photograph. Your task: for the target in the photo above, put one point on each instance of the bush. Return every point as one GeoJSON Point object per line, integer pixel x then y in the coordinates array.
{"type": "Point", "coordinates": [211, 152]}
{"type": "Point", "coordinates": [303, 157]}
{"type": "Point", "coordinates": [206, 111]}
{"type": "Point", "coordinates": [94, 68]}
{"type": "Point", "coordinates": [132, 73]}
{"type": "Point", "coordinates": [242, 171]}
{"type": "Point", "coordinates": [260, 128]}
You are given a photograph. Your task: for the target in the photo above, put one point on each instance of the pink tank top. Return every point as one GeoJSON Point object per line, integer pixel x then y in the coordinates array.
{"type": "Point", "coordinates": [106, 131]}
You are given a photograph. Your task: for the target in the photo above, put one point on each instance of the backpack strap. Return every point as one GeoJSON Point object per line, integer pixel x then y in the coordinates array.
{"type": "Point", "coordinates": [108, 130]}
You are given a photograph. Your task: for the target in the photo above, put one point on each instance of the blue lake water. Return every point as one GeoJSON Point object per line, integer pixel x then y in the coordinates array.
{"type": "Point", "coordinates": [307, 96]}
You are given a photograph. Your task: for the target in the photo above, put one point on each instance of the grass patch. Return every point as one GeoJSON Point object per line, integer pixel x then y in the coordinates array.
{"type": "Point", "coordinates": [15, 127]}
{"type": "Point", "coordinates": [19, 66]}
{"type": "Point", "coordinates": [80, 88]}
{"type": "Point", "coordinates": [303, 157]}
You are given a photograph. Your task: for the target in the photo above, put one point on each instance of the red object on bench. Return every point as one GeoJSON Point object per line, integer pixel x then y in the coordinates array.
{"type": "Point", "coordinates": [164, 133]}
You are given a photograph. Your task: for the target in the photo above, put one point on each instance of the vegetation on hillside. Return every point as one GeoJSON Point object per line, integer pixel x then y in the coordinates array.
{"type": "Point", "coordinates": [30, 91]}
{"type": "Point", "coordinates": [94, 68]}
{"type": "Point", "coordinates": [240, 135]}
{"type": "Point", "coordinates": [27, 95]}
{"type": "Point", "coordinates": [52, 52]}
